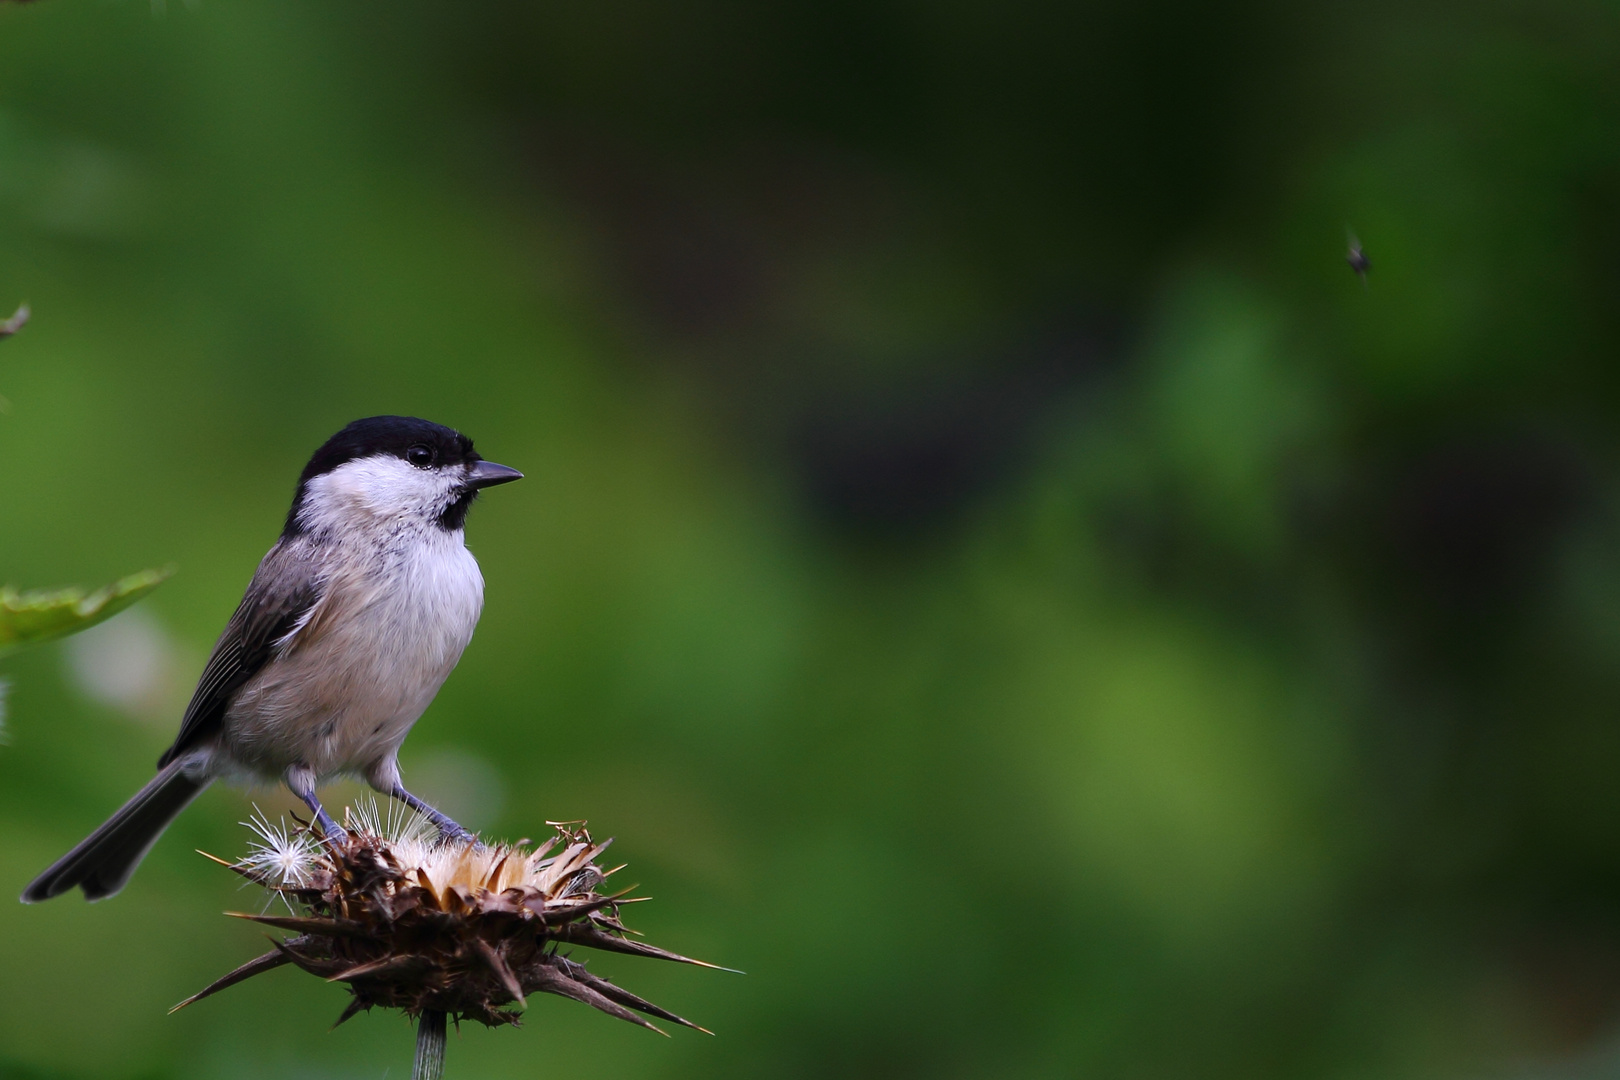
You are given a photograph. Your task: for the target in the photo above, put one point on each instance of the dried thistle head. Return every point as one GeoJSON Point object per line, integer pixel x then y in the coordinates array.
{"type": "Point", "coordinates": [408, 921]}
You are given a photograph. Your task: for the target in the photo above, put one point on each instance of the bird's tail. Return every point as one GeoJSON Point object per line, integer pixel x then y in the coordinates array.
{"type": "Point", "coordinates": [104, 860]}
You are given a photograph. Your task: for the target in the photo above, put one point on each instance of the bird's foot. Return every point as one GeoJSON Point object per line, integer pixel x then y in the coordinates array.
{"type": "Point", "coordinates": [449, 831]}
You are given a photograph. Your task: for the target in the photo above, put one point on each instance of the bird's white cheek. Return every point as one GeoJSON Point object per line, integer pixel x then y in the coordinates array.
{"type": "Point", "coordinates": [381, 487]}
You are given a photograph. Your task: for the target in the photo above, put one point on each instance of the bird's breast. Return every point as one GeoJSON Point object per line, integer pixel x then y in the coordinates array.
{"type": "Point", "coordinates": [346, 689]}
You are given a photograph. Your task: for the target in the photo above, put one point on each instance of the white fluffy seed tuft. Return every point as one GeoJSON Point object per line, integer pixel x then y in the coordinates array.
{"type": "Point", "coordinates": [281, 857]}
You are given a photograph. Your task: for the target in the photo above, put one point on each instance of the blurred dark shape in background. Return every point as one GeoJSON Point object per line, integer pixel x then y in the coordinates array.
{"type": "Point", "coordinates": [976, 519]}
{"type": "Point", "coordinates": [899, 461]}
{"type": "Point", "coordinates": [1473, 522]}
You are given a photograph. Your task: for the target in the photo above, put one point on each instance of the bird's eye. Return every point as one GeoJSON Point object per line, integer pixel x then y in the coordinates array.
{"type": "Point", "coordinates": [420, 456]}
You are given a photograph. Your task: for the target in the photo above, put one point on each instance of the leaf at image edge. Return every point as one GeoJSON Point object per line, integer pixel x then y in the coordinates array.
{"type": "Point", "coordinates": [42, 614]}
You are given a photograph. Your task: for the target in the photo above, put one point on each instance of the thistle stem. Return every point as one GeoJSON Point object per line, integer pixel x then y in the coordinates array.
{"type": "Point", "coordinates": [430, 1032]}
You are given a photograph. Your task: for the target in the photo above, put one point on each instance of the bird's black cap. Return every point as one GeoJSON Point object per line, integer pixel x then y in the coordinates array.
{"type": "Point", "coordinates": [389, 435]}
{"type": "Point", "coordinates": [396, 435]}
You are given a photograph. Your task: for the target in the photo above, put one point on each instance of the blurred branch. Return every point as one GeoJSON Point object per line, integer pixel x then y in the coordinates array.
{"type": "Point", "coordinates": [40, 615]}
{"type": "Point", "coordinates": [18, 320]}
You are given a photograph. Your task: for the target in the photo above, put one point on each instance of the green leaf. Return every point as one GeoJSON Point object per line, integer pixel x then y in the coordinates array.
{"type": "Point", "coordinates": [47, 613]}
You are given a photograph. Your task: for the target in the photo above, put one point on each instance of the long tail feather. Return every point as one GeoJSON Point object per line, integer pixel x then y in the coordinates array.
{"type": "Point", "coordinates": [104, 860]}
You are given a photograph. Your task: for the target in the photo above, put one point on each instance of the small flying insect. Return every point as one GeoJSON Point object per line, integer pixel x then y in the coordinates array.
{"type": "Point", "coordinates": [1358, 260]}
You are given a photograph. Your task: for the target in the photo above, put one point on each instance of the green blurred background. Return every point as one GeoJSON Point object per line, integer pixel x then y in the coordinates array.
{"type": "Point", "coordinates": [1002, 578]}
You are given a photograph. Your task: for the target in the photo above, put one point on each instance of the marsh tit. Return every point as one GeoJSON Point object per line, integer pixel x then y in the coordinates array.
{"type": "Point", "coordinates": [349, 626]}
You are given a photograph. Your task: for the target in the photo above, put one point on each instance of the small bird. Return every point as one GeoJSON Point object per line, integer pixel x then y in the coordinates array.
{"type": "Point", "coordinates": [350, 625]}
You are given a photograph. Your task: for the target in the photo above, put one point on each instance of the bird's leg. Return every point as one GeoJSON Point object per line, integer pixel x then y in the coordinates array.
{"type": "Point", "coordinates": [447, 827]}
{"type": "Point", "coordinates": [301, 781]}
{"type": "Point", "coordinates": [383, 776]}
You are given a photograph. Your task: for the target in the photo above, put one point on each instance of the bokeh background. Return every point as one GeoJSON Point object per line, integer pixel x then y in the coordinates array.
{"type": "Point", "coordinates": [1005, 581]}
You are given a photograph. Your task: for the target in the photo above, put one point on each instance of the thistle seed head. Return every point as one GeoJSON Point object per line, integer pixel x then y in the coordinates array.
{"type": "Point", "coordinates": [408, 921]}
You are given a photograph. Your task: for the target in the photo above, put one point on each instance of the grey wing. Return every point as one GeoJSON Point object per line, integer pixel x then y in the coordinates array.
{"type": "Point", "coordinates": [284, 589]}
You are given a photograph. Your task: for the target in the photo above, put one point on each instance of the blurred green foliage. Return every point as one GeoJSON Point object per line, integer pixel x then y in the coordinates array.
{"type": "Point", "coordinates": [1002, 578]}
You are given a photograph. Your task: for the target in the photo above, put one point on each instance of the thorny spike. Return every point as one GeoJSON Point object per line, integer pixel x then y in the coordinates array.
{"type": "Point", "coordinates": [568, 911]}
{"type": "Point", "coordinates": [388, 965]}
{"type": "Point", "coordinates": [235, 868]}
{"type": "Point", "coordinates": [502, 972]}
{"type": "Point", "coordinates": [304, 925]}
{"type": "Point", "coordinates": [624, 997]}
{"type": "Point", "coordinates": [554, 982]}
{"type": "Point", "coordinates": [257, 966]}
{"type": "Point", "coordinates": [287, 950]}
{"type": "Point", "coordinates": [590, 937]}
{"type": "Point", "coordinates": [355, 1007]}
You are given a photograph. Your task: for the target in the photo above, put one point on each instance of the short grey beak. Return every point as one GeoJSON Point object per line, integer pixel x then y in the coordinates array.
{"type": "Point", "coordinates": [485, 474]}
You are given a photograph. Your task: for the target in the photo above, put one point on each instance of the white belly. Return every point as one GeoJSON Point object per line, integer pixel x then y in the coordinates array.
{"type": "Point", "coordinates": [344, 694]}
